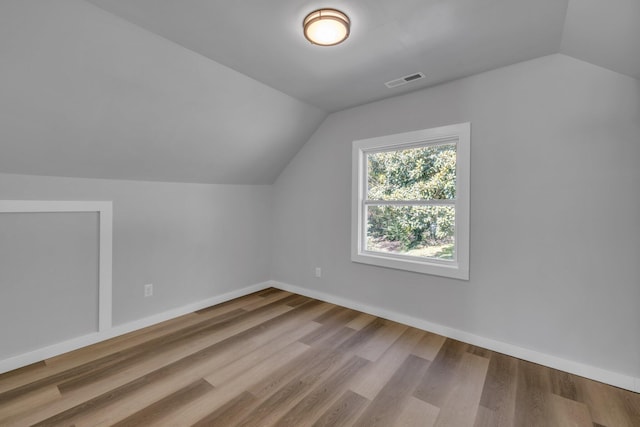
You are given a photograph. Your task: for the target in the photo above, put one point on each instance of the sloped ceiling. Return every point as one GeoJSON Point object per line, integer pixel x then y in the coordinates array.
{"type": "Point", "coordinates": [218, 91]}
{"type": "Point", "coordinates": [445, 39]}
{"type": "Point", "coordinates": [605, 33]}
{"type": "Point", "coordinates": [86, 94]}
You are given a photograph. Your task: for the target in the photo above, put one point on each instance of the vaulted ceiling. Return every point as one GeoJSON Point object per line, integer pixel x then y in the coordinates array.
{"type": "Point", "coordinates": [445, 39]}
{"type": "Point", "coordinates": [219, 91]}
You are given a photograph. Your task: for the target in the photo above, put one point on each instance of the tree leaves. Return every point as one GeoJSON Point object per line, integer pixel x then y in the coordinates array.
{"type": "Point", "coordinates": [420, 173]}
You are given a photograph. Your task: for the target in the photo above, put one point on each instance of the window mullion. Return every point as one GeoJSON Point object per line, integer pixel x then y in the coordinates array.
{"type": "Point", "coordinates": [422, 202]}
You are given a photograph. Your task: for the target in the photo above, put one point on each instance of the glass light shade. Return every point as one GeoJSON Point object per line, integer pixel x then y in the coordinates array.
{"type": "Point", "coordinates": [326, 27]}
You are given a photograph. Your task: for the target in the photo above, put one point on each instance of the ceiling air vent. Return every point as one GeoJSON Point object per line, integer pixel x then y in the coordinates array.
{"type": "Point", "coordinates": [404, 80]}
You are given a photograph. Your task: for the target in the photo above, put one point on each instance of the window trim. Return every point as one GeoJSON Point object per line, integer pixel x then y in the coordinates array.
{"type": "Point", "coordinates": [460, 134]}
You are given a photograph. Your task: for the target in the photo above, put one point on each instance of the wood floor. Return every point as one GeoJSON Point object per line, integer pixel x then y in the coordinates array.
{"type": "Point", "coordinates": [278, 359]}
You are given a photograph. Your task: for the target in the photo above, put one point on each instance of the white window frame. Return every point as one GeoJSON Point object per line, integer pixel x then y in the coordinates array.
{"type": "Point", "coordinates": [460, 134]}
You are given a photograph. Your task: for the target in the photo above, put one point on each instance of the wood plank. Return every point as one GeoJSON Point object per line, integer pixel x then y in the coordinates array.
{"type": "Point", "coordinates": [216, 357]}
{"type": "Point", "coordinates": [215, 402]}
{"type": "Point", "coordinates": [25, 370]}
{"type": "Point", "coordinates": [230, 413]}
{"type": "Point", "coordinates": [335, 312]}
{"type": "Point", "coordinates": [208, 330]}
{"type": "Point", "coordinates": [533, 395]}
{"type": "Point", "coordinates": [24, 375]}
{"type": "Point", "coordinates": [28, 402]}
{"type": "Point", "coordinates": [256, 377]}
{"type": "Point", "coordinates": [245, 333]}
{"type": "Point", "coordinates": [362, 320]}
{"type": "Point", "coordinates": [563, 384]}
{"type": "Point", "coordinates": [499, 393]}
{"type": "Point", "coordinates": [310, 408]}
{"type": "Point", "coordinates": [394, 396]}
{"type": "Point", "coordinates": [284, 374]}
{"type": "Point", "coordinates": [233, 304]}
{"type": "Point", "coordinates": [103, 386]}
{"type": "Point", "coordinates": [418, 413]}
{"type": "Point", "coordinates": [146, 334]}
{"type": "Point", "coordinates": [157, 411]}
{"type": "Point", "coordinates": [379, 373]}
{"type": "Point", "coordinates": [381, 341]}
{"type": "Point", "coordinates": [155, 362]}
{"type": "Point", "coordinates": [249, 361]}
{"type": "Point", "coordinates": [463, 398]}
{"type": "Point", "coordinates": [121, 343]}
{"type": "Point", "coordinates": [343, 412]}
{"type": "Point", "coordinates": [286, 396]}
{"type": "Point", "coordinates": [298, 300]}
{"type": "Point", "coordinates": [282, 297]}
{"type": "Point", "coordinates": [605, 404]}
{"type": "Point", "coordinates": [479, 351]}
{"type": "Point", "coordinates": [630, 404]}
{"type": "Point", "coordinates": [567, 412]}
{"type": "Point", "coordinates": [113, 362]}
{"type": "Point", "coordinates": [361, 338]}
{"type": "Point", "coordinates": [440, 376]}
{"type": "Point", "coordinates": [486, 418]}
{"type": "Point", "coordinates": [429, 346]}
{"type": "Point", "coordinates": [331, 322]}
{"type": "Point", "coordinates": [336, 339]}
{"type": "Point", "coordinates": [269, 291]}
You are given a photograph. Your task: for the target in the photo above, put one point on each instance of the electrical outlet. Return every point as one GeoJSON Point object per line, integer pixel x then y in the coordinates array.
{"type": "Point", "coordinates": [318, 272]}
{"type": "Point", "coordinates": [148, 290]}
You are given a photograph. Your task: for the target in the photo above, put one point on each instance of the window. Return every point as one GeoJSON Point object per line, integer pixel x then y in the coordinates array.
{"type": "Point", "coordinates": [411, 201]}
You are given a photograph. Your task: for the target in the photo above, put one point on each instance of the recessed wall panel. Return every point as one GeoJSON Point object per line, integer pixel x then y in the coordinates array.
{"type": "Point", "coordinates": [48, 279]}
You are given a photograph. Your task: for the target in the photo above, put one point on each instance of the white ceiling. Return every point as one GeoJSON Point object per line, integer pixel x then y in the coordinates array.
{"type": "Point", "coordinates": [221, 91]}
{"type": "Point", "coordinates": [445, 39]}
{"type": "Point", "coordinates": [605, 33]}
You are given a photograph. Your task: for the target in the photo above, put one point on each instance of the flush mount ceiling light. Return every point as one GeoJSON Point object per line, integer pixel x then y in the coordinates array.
{"type": "Point", "coordinates": [326, 27]}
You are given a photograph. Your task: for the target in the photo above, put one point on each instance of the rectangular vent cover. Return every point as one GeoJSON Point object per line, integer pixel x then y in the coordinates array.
{"type": "Point", "coordinates": [404, 80]}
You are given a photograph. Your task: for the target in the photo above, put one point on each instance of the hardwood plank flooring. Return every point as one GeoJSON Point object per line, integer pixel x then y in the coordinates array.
{"type": "Point", "coordinates": [278, 359]}
{"type": "Point", "coordinates": [344, 411]}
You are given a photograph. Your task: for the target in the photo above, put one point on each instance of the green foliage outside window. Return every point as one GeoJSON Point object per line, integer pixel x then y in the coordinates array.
{"type": "Point", "coordinates": [423, 173]}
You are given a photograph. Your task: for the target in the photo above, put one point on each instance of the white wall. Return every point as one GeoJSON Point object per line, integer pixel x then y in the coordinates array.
{"type": "Point", "coordinates": [49, 278]}
{"type": "Point", "coordinates": [192, 241]}
{"type": "Point", "coordinates": [555, 241]}
{"type": "Point", "coordinates": [84, 93]}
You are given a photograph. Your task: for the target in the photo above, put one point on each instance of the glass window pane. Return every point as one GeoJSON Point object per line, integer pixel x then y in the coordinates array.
{"type": "Point", "coordinates": [420, 231]}
{"type": "Point", "coordinates": [421, 173]}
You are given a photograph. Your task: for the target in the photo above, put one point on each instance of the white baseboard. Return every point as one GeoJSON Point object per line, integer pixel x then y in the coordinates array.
{"type": "Point", "coordinates": [598, 374]}
{"type": "Point", "coordinates": [57, 349]}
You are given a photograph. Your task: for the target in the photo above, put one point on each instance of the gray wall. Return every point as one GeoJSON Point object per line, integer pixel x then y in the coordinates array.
{"type": "Point", "coordinates": [555, 241]}
{"type": "Point", "coordinates": [48, 279]}
{"type": "Point", "coordinates": [192, 241]}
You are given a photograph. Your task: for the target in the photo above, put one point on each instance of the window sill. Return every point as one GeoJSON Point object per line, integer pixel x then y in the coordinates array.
{"type": "Point", "coordinates": [448, 269]}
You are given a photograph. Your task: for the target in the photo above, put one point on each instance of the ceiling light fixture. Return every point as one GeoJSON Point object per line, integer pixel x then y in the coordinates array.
{"type": "Point", "coordinates": [326, 27]}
